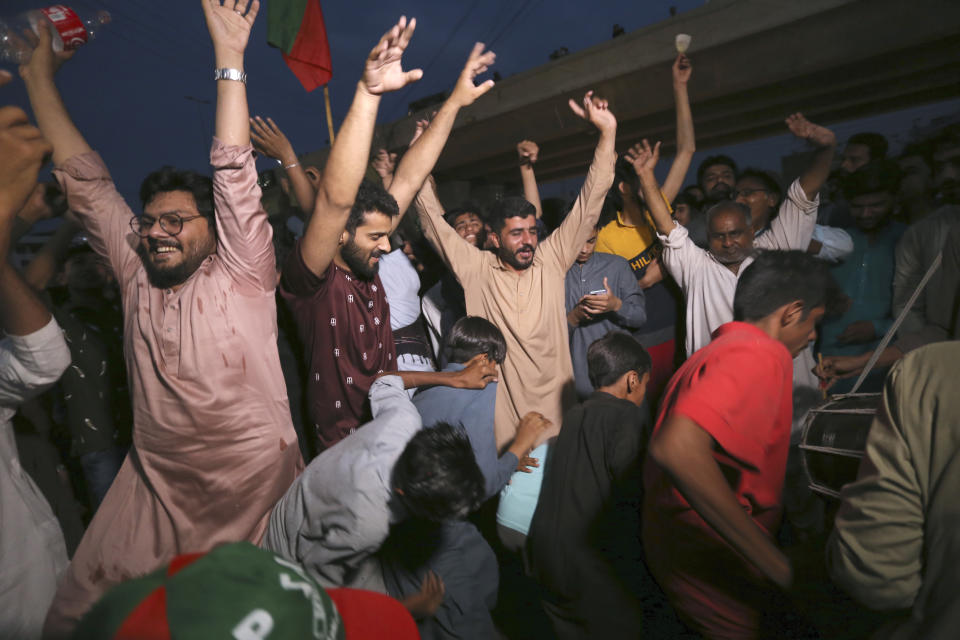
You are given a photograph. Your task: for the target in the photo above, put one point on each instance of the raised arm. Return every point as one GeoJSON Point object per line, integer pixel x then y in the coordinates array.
{"type": "Point", "coordinates": [82, 176]}
{"type": "Point", "coordinates": [22, 150]}
{"type": "Point", "coordinates": [459, 255]}
{"type": "Point", "coordinates": [825, 141]}
{"type": "Point", "coordinates": [269, 140]}
{"type": "Point", "coordinates": [686, 146]}
{"type": "Point", "coordinates": [419, 161]}
{"type": "Point", "coordinates": [565, 243]}
{"type": "Point", "coordinates": [644, 160]}
{"type": "Point", "coordinates": [348, 158]}
{"type": "Point", "coordinates": [229, 25]}
{"type": "Point", "coordinates": [527, 150]}
{"type": "Point", "coordinates": [48, 106]}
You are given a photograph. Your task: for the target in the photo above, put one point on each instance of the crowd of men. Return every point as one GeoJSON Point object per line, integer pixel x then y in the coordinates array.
{"type": "Point", "coordinates": [594, 416]}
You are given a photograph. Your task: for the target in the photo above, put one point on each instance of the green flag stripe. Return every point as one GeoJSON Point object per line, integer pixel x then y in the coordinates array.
{"type": "Point", "coordinates": [284, 18]}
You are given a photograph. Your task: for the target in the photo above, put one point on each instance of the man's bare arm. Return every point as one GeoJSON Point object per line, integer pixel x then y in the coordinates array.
{"type": "Point", "coordinates": [48, 107]}
{"type": "Point", "coordinates": [686, 144]}
{"type": "Point", "coordinates": [528, 151]}
{"type": "Point", "coordinates": [419, 161]}
{"type": "Point", "coordinates": [22, 150]}
{"type": "Point", "coordinates": [815, 175]}
{"type": "Point", "coordinates": [347, 162]}
{"type": "Point", "coordinates": [685, 452]}
{"type": "Point", "coordinates": [229, 26]}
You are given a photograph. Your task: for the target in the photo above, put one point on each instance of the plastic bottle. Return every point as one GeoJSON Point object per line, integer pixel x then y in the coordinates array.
{"type": "Point", "coordinates": [70, 29]}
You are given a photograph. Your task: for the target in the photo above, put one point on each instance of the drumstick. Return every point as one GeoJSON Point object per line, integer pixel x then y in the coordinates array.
{"type": "Point", "coordinates": [823, 389]}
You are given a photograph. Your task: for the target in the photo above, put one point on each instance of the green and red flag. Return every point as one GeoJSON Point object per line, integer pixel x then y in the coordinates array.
{"type": "Point", "coordinates": [296, 28]}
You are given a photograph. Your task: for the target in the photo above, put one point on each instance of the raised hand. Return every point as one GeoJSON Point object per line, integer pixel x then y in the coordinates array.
{"type": "Point", "coordinates": [682, 69]}
{"type": "Point", "coordinates": [271, 141]}
{"type": "Point", "coordinates": [384, 163]}
{"type": "Point", "coordinates": [422, 125]}
{"type": "Point", "coordinates": [642, 157]}
{"type": "Point", "coordinates": [229, 23]}
{"type": "Point", "coordinates": [528, 151]}
{"type": "Point", "coordinates": [465, 91]}
{"type": "Point", "coordinates": [22, 152]}
{"type": "Point", "coordinates": [595, 111]}
{"type": "Point", "coordinates": [44, 62]}
{"type": "Point", "coordinates": [806, 130]}
{"type": "Point", "coordinates": [383, 70]}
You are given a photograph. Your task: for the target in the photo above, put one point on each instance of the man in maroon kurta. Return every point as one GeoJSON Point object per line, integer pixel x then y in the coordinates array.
{"type": "Point", "coordinates": [330, 280]}
{"type": "Point", "coordinates": [213, 444]}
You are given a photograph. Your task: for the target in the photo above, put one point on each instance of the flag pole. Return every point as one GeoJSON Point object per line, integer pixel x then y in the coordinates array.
{"type": "Point", "coordinates": [326, 101]}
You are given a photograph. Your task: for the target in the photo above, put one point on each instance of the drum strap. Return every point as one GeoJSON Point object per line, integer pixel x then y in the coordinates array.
{"type": "Point", "coordinates": [896, 325]}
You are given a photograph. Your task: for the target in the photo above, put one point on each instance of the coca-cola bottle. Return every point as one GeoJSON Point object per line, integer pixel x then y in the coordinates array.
{"type": "Point", "coordinates": [69, 29]}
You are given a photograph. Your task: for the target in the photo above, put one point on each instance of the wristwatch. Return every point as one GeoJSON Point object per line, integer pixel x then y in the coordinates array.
{"type": "Point", "coordinates": [230, 74]}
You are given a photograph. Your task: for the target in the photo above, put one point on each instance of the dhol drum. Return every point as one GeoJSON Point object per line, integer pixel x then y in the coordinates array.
{"type": "Point", "coordinates": [834, 439]}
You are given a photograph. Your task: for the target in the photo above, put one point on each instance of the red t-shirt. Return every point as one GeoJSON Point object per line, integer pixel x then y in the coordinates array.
{"type": "Point", "coordinates": [739, 388]}
{"type": "Point", "coordinates": [344, 324]}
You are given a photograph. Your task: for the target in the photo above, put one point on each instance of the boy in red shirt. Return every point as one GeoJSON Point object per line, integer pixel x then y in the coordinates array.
{"type": "Point", "coordinates": [719, 450]}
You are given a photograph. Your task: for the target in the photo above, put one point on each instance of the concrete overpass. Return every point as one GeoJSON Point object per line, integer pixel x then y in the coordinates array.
{"type": "Point", "coordinates": [755, 61]}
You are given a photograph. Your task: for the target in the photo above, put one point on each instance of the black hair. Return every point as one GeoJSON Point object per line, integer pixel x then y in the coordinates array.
{"type": "Point", "coordinates": [712, 161]}
{"type": "Point", "coordinates": [686, 198]}
{"type": "Point", "coordinates": [437, 474]}
{"type": "Point", "coordinates": [766, 178]}
{"type": "Point", "coordinates": [371, 197]}
{"type": "Point", "coordinates": [613, 355]}
{"type": "Point", "coordinates": [471, 336]}
{"type": "Point", "coordinates": [726, 205]}
{"type": "Point", "coordinates": [874, 141]}
{"type": "Point", "coordinates": [777, 278]}
{"type": "Point", "coordinates": [166, 179]}
{"type": "Point", "coordinates": [509, 207]}
{"type": "Point", "coordinates": [873, 177]}
{"type": "Point", "coordinates": [467, 207]}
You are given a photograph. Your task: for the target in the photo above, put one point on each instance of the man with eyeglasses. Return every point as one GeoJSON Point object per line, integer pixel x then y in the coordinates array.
{"type": "Point", "coordinates": [709, 278]}
{"type": "Point", "coordinates": [213, 447]}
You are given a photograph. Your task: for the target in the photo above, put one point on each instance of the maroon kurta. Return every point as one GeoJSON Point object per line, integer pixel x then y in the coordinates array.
{"type": "Point", "coordinates": [344, 323]}
{"type": "Point", "coordinates": [213, 445]}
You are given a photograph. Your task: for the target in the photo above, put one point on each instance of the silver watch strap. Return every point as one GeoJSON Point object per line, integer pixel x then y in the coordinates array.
{"type": "Point", "coordinates": [230, 74]}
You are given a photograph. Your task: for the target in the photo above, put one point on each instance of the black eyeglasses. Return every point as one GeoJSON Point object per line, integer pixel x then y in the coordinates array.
{"type": "Point", "coordinates": [172, 223]}
{"type": "Point", "coordinates": [746, 193]}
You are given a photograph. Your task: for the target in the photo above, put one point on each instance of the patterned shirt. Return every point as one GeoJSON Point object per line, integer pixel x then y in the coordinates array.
{"type": "Point", "coordinates": [344, 323]}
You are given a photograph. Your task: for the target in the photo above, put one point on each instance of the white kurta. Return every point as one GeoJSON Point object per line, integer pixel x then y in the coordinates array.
{"type": "Point", "coordinates": [32, 551]}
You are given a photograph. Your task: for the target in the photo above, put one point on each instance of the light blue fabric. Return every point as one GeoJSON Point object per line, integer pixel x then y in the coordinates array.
{"type": "Point", "coordinates": [518, 500]}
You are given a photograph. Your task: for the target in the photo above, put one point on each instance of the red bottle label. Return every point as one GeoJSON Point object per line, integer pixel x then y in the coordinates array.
{"type": "Point", "coordinates": [68, 25]}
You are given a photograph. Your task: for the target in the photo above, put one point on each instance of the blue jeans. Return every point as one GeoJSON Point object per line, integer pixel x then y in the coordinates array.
{"type": "Point", "coordinates": [100, 468]}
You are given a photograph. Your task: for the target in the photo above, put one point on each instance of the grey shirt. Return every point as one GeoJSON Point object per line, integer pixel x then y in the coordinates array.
{"type": "Point", "coordinates": [337, 514]}
{"type": "Point", "coordinates": [587, 277]}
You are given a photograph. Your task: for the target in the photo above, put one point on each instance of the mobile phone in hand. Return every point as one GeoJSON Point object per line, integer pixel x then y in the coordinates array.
{"type": "Point", "coordinates": [598, 292]}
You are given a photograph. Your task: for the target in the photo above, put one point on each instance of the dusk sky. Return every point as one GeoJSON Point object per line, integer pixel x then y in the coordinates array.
{"type": "Point", "coordinates": [143, 96]}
